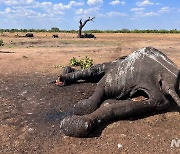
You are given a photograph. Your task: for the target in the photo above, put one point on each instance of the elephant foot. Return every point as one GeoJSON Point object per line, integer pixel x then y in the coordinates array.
{"type": "Point", "coordinates": [76, 126]}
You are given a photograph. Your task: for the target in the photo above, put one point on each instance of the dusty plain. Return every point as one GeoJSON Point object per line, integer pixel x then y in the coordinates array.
{"type": "Point", "coordinates": [30, 107]}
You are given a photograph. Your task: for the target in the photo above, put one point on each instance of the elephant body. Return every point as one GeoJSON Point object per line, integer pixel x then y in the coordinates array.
{"type": "Point", "coordinates": [146, 72]}
{"type": "Point", "coordinates": [29, 35]}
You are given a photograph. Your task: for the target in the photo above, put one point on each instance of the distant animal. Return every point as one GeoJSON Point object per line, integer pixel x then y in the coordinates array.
{"type": "Point", "coordinates": [86, 35]}
{"type": "Point", "coordinates": [29, 35]}
{"type": "Point", "coordinates": [144, 81]}
{"type": "Point", "coordinates": [55, 36]}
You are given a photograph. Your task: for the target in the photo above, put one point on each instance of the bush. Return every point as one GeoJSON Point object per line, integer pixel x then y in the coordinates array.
{"type": "Point", "coordinates": [74, 62]}
{"type": "Point", "coordinates": [1, 42]}
{"type": "Point", "coordinates": [83, 63]}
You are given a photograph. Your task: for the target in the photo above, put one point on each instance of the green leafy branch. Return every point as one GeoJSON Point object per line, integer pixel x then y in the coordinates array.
{"type": "Point", "coordinates": [83, 63]}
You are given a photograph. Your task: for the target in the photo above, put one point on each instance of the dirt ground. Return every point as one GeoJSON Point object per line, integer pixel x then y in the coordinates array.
{"type": "Point", "coordinates": [30, 107]}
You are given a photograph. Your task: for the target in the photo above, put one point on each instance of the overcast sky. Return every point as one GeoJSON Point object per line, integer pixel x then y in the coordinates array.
{"type": "Point", "coordinates": [110, 14]}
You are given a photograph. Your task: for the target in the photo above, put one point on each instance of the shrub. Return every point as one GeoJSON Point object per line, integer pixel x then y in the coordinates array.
{"type": "Point", "coordinates": [83, 63]}
{"type": "Point", "coordinates": [1, 42]}
{"type": "Point", "coordinates": [74, 62]}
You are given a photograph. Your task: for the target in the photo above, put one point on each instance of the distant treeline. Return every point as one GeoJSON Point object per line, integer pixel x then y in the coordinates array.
{"type": "Point", "coordinates": [91, 31]}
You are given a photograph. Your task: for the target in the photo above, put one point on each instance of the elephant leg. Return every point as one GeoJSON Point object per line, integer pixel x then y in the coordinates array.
{"type": "Point", "coordinates": [93, 73]}
{"type": "Point", "coordinates": [86, 106]}
{"type": "Point", "coordinates": [80, 126]}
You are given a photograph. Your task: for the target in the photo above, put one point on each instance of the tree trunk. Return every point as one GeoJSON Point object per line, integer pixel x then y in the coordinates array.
{"type": "Point", "coordinates": [81, 25]}
{"type": "Point", "coordinates": [80, 32]}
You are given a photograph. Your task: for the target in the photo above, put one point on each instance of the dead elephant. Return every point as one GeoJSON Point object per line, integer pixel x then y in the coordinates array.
{"type": "Point", "coordinates": [146, 72]}
{"type": "Point", "coordinates": [29, 35]}
{"type": "Point", "coordinates": [86, 35]}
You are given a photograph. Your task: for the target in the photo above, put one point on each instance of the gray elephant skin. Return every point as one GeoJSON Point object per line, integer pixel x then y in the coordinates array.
{"type": "Point", "coordinates": [146, 72]}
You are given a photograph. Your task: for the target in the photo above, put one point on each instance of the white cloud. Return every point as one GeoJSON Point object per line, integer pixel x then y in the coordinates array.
{"type": "Point", "coordinates": [144, 3]}
{"type": "Point", "coordinates": [113, 14]}
{"type": "Point", "coordinates": [117, 2]}
{"type": "Point", "coordinates": [110, 14]}
{"type": "Point", "coordinates": [164, 10]}
{"type": "Point", "coordinates": [79, 11]}
{"type": "Point", "coordinates": [137, 9]}
{"type": "Point", "coordinates": [11, 2]}
{"type": "Point", "coordinates": [74, 3]}
{"type": "Point", "coordinates": [139, 12]}
{"type": "Point", "coordinates": [8, 10]}
{"type": "Point", "coordinates": [61, 6]}
{"type": "Point", "coordinates": [151, 14]}
{"type": "Point", "coordinates": [87, 11]}
{"type": "Point", "coordinates": [16, 2]}
{"type": "Point", "coordinates": [94, 2]}
{"type": "Point", "coordinates": [46, 3]}
{"type": "Point", "coordinates": [20, 12]}
{"type": "Point", "coordinates": [145, 14]}
{"type": "Point", "coordinates": [36, 9]}
{"type": "Point", "coordinates": [36, 4]}
{"type": "Point", "coordinates": [29, 1]}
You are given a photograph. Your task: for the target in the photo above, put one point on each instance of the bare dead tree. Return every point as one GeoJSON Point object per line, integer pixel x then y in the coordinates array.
{"type": "Point", "coordinates": [82, 24]}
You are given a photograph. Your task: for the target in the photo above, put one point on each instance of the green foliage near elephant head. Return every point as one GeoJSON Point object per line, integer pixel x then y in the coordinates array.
{"type": "Point", "coordinates": [83, 63]}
